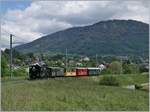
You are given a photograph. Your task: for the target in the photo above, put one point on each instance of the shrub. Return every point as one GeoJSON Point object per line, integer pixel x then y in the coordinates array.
{"type": "Point", "coordinates": [109, 80]}
{"type": "Point", "coordinates": [19, 72]}
{"type": "Point", "coordinates": [106, 71]}
{"type": "Point", "coordinates": [115, 67]}
{"type": "Point", "coordinates": [137, 86]}
{"type": "Point", "coordinates": [4, 67]}
{"type": "Point", "coordinates": [131, 68]}
{"type": "Point", "coordinates": [143, 69]}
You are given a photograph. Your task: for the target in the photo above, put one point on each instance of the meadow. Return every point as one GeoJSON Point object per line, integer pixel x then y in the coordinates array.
{"type": "Point", "coordinates": [73, 93]}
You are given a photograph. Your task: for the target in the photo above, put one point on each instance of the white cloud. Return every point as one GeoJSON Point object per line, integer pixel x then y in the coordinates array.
{"type": "Point", "coordinates": [45, 17]}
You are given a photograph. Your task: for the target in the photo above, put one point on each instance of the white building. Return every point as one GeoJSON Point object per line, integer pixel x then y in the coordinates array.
{"type": "Point", "coordinates": [86, 59]}
{"type": "Point", "coordinates": [102, 67]}
{"type": "Point", "coordinates": [79, 64]}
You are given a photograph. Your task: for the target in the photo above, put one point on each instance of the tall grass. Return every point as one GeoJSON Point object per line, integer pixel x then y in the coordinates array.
{"type": "Point", "coordinates": [69, 94]}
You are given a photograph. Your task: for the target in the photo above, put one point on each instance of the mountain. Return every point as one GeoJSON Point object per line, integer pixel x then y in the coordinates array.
{"type": "Point", "coordinates": [112, 37]}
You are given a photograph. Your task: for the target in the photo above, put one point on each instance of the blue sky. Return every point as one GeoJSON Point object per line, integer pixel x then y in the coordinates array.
{"type": "Point", "coordinates": [13, 5]}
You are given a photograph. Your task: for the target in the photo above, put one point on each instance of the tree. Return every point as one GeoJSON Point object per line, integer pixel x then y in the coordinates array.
{"type": "Point", "coordinates": [31, 56]}
{"type": "Point", "coordinates": [131, 68]}
{"type": "Point", "coordinates": [115, 67]}
{"type": "Point", "coordinates": [4, 67]}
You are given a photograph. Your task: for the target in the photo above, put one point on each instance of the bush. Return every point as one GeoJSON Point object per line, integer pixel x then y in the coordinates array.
{"type": "Point", "coordinates": [143, 69]}
{"type": "Point", "coordinates": [131, 68]}
{"type": "Point", "coordinates": [115, 67]}
{"type": "Point", "coordinates": [4, 67]}
{"type": "Point", "coordinates": [137, 86]}
{"type": "Point", "coordinates": [106, 71]}
{"type": "Point", "coordinates": [109, 81]}
{"type": "Point", "coordinates": [19, 72]}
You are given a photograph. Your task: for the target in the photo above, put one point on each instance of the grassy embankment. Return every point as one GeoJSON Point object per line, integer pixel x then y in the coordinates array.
{"type": "Point", "coordinates": [83, 93]}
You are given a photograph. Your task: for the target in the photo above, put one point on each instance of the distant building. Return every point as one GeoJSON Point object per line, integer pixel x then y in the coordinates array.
{"type": "Point", "coordinates": [85, 59]}
{"type": "Point", "coordinates": [102, 67]}
{"type": "Point", "coordinates": [146, 64]}
{"type": "Point", "coordinates": [147, 61]}
{"type": "Point", "coordinates": [15, 67]}
{"type": "Point", "coordinates": [79, 64]}
{"type": "Point", "coordinates": [62, 64]}
{"type": "Point", "coordinates": [71, 61]}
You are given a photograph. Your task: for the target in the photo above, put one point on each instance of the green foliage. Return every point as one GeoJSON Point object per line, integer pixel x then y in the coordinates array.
{"type": "Point", "coordinates": [106, 71]}
{"type": "Point", "coordinates": [131, 68]}
{"type": "Point", "coordinates": [109, 81]}
{"type": "Point", "coordinates": [109, 59]}
{"type": "Point", "coordinates": [90, 63]}
{"type": "Point", "coordinates": [115, 67]}
{"type": "Point", "coordinates": [18, 55]}
{"type": "Point", "coordinates": [143, 69]}
{"type": "Point", "coordinates": [57, 57]}
{"type": "Point", "coordinates": [138, 86]}
{"type": "Point", "coordinates": [4, 66]}
{"type": "Point", "coordinates": [6, 53]}
{"type": "Point", "coordinates": [130, 79]}
{"type": "Point", "coordinates": [30, 55]}
{"type": "Point", "coordinates": [19, 72]}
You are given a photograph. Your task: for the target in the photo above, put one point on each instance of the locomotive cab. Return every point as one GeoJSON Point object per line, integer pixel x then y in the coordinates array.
{"type": "Point", "coordinates": [34, 71]}
{"type": "Point", "coordinates": [38, 71]}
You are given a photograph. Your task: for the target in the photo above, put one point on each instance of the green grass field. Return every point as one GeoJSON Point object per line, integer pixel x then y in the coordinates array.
{"type": "Point", "coordinates": [80, 94]}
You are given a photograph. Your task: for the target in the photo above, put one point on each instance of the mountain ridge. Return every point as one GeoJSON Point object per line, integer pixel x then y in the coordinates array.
{"type": "Point", "coordinates": [109, 37]}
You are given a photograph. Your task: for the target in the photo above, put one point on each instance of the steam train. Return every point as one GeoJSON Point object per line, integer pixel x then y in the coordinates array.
{"type": "Point", "coordinates": [38, 71]}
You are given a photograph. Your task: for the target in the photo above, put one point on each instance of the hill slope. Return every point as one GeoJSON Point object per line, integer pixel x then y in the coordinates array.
{"type": "Point", "coordinates": [112, 37]}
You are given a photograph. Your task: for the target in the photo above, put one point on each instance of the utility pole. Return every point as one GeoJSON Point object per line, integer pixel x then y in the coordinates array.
{"type": "Point", "coordinates": [121, 66]}
{"type": "Point", "coordinates": [10, 56]}
{"type": "Point", "coordinates": [66, 60]}
{"type": "Point", "coordinates": [96, 60]}
{"type": "Point", "coordinates": [41, 55]}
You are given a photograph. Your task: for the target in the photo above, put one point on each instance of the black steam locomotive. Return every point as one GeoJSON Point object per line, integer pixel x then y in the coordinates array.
{"type": "Point", "coordinates": [39, 71]}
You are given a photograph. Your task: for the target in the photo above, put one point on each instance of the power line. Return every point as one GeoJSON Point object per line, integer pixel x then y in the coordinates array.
{"type": "Point", "coordinates": [20, 38]}
{"type": "Point", "coordinates": [17, 42]}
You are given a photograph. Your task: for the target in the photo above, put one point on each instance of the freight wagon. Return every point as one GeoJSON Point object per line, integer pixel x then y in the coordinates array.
{"type": "Point", "coordinates": [56, 71]}
{"type": "Point", "coordinates": [72, 74]}
{"type": "Point", "coordinates": [93, 71]}
{"type": "Point", "coordinates": [81, 71]}
{"type": "Point", "coordinates": [43, 71]}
